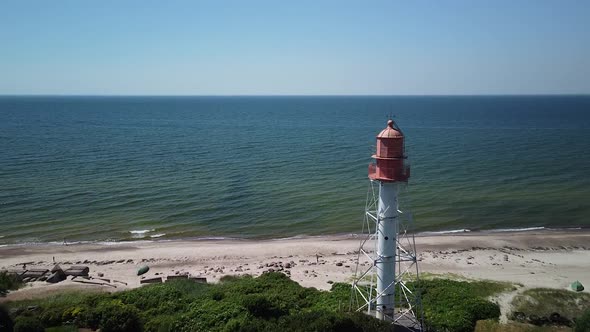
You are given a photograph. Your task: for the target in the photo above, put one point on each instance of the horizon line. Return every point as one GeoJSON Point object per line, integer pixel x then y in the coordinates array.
{"type": "Point", "coordinates": [302, 95]}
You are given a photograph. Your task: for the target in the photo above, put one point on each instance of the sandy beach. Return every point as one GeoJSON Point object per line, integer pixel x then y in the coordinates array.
{"type": "Point", "coordinates": [533, 259]}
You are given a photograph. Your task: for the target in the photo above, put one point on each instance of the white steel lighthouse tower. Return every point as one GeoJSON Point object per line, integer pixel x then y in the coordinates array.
{"type": "Point", "coordinates": [387, 254]}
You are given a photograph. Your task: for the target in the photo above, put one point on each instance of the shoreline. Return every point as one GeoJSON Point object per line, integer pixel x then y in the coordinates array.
{"type": "Point", "coordinates": [539, 258]}
{"type": "Point", "coordinates": [158, 239]}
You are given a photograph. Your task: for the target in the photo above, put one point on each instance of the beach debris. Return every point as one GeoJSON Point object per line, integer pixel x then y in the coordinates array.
{"type": "Point", "coordinates": [202, 280]}
{"type": "Point", "coordinates": [77, 270]}
{"type": "Point", "coordinates": [105, 262]}
{"type": "Point", "coordinates": [94, 283]}
{"type": "Point", "coordinates": [151, 281]}
{"type": "Point", "coordinates": [339, 264]}
{"type": "Point", "coordinates": [177, 277]}
{"type": "Point", "coordinates": [143, 270]}
{"type": "Point", "coordinates": [121, 282]}
{"type": "Point", "coordinates": [56, 276]}
{"type": "Point", "coordinates": [34, 273]}
{"type": "Point", "coordinates": [577, 286]}
{"type": "Point", "coordinates": [100, 274]}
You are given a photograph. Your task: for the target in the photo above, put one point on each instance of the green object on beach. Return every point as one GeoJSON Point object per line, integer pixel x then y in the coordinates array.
{"type": "Point", "coordinates": [143, 270]}
{"type": "Point", "coordinates": [577, 286]}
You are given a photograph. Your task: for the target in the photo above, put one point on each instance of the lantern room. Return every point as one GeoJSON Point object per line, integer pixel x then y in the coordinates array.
{"type": "Point", "coordinates": [389, 158]}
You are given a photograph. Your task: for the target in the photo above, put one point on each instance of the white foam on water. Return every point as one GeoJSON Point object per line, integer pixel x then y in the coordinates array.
{"type": "Point", "coordinates": [143, 231]}
{"type": "Point", "coordinates": [157, 235]}
{"type": "Point", "coordinates": [452, 231]}
{"type": "Point", "coordinates": [526, 229]}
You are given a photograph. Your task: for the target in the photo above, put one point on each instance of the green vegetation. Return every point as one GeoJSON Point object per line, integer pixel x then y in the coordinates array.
{"type": "Point", "coordinates": [6, 323]}
{"type": "Point", "coordinates": [8, 282]}
{"type": "Point", "coordinates": [66, 328]}
{"type": "Point", "coordinates": [543, 302]}
{"type": "Point", "coordinates": [457, 305]}
{"type": "Point", "coordinates": [583, 322]}
{"type": "Point", "coordinates": [271, 302]}
{"type": "Point", "coordinates": [494, 326]}
{"type": "Point", "coordinates": [27, 324]}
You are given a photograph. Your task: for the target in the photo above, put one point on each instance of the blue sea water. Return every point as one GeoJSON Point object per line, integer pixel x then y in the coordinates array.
{"type": "Point", "coordinates": [120, 168]}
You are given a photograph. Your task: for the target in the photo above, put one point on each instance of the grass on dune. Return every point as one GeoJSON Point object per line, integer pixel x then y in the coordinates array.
{"type": "Point", "coordinates": [545, 301]}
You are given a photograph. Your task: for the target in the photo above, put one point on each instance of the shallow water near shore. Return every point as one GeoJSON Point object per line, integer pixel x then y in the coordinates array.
{"type": "Point", "coordinates": [142, 168]}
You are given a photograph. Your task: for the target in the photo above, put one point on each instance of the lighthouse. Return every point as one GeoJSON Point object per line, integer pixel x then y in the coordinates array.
{"type": "Point", "coordinates": [387, 246]}
{"type": "Point", "coordinates": [389, 171]}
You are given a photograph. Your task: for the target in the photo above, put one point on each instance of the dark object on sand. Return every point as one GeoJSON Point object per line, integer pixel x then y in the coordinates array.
{"type": "Point", "coordinates": [577, 286]}
{"type": "Point", "coordinates": [94, 283]}
{"type": "Point", "coordinates": [143, 270]}
{"type": "Point", "coordinates": [157, 280]}
{"type": "Point", "coordinates": [34, 273]}
{"type": "Point", "coordinates": [56, 277]}
{"type": "Point", "coordinates": [78, 271]}
{"type": "Point", "coordinates": [202, 280]}
{"type": "Point", "coordinates": [177, 277]}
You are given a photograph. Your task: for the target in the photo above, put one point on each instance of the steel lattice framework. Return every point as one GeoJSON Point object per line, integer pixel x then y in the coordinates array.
{"type": "Point", "coordinates": [408, 307]}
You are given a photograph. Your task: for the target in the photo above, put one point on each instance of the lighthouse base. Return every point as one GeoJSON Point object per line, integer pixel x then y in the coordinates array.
{"type": "Point", "coordinates": [406, 309]}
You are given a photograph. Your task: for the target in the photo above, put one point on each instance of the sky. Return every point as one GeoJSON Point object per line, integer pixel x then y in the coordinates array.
{"type": "Point", "coordinates": [284, 47]}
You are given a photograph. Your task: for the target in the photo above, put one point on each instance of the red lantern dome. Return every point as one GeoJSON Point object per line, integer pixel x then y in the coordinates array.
{"type": "Point", "coordinates": [389, 158]}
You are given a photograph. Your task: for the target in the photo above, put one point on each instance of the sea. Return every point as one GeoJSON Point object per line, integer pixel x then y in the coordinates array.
{"type": "Point", "coordinates": [111, 169]}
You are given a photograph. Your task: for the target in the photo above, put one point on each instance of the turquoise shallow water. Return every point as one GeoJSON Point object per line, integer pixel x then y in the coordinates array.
{"type": "Point", "coordinates": [120, 168]}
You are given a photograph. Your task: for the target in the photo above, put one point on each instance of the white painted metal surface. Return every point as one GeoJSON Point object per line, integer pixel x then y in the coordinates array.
{"type": "Point", "coordinates": [387, 228]}
{"type": "Point", "coordinates": [384, 266]}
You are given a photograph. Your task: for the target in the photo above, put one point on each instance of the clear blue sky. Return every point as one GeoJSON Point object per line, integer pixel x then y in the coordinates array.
{"type": "Point", "coordinates": [294, 47]}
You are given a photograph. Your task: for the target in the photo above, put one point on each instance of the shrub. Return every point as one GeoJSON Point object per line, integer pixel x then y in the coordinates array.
{"type": "Point", "coordinates": [65, 328]}
{"type": "Point", "coordinates": [456, 305]}
{"type": "Point", "coordinates": [271, 302]}
{"type": "Point", "coordinates": [162, 323]}
{"type": "Point", "coordinates": [337, 299]}
{"type": "Point", "coordinates": [6, 323]}
{"type": "Point", "coordinates": [321, 321]}
{"type": "Point", "coordinates": [28, 324]}
{"type": "Point", "coordinates": [583, 322]}
{"type": "Point", "coordinates": [8, 281]}
{"type": "Point", "coordinates": [118, 317]}
{"type": "Point", "coordinates": [260, 306]}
